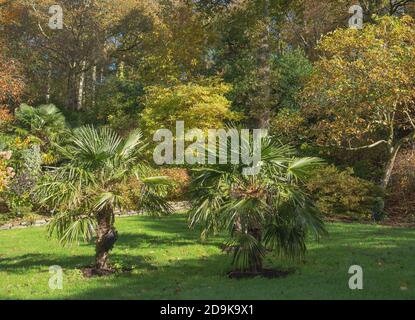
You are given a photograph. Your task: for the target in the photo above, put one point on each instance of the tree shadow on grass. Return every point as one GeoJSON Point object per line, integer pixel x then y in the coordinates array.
{"type": "Point", "coordinates": [171, 230]}
{"type": "Point", "coordinates": [386, 261]}
{"type": "Point", "coordinates": [20, 264]}
{"type": "Point", "coordinates": [204, 275]}
{"type": "Point", "coordinates": [369, 230]}
{"type": "Point", "coordinates": [162, 281]}
{"type": "Point", "coordinates": [176, 225]}
{"type": "Point", "coordinates": [207, 279]}
{"type": "Point", "coordinates": [143, 240]}
{"type": "Point", "coordinates": [174, 233]}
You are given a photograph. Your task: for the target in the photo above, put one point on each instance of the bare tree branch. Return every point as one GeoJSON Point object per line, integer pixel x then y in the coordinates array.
{"type": "Point", "coordinates": [367, 146]}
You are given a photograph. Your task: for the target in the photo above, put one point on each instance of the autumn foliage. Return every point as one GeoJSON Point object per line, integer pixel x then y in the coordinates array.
{"type": "Point", "coordinates": [6, 172]}
{"type": "Point", "coordinates": [11, 84]}
{"type": "Point", "coordinates": [361, 94]}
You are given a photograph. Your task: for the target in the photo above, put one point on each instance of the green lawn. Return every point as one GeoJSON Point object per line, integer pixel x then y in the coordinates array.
{"type": "Point", "coordinates": [171, 263]}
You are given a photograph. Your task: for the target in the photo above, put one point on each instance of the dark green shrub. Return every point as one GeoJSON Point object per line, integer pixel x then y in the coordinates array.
{"type": "Point", "coordinates": [340, 194]}
{"type": "Point", "coordinates": [117, 104]}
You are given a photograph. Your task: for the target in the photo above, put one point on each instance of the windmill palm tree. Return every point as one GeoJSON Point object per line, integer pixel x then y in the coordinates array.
{"type": "Point", "coordinates": [45, 122]}
{"type": "Point", "coordinates": [89, 186]}
{"type": "Point", "coordinates": [265, 212]}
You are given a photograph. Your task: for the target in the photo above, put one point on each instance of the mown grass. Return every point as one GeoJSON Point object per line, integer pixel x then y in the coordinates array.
{"type": "Point", "coordinates": [170, 262]}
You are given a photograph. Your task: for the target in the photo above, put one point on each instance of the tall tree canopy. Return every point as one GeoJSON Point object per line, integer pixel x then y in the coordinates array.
{"type": "Point", "coordinates": [362, 92]}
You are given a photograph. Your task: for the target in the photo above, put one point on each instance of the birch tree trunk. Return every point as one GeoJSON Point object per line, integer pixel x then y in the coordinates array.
{"type": "Point", "coordinates": [101, 76]}
{"type": "Point", "coordinates": [121, 70]}
{"type": "Point", "coordinates": [49, 82]}
{"type": "Point", "coordinates": [393, 152]}
{"type": "Point", "coordinates": [81, 87]}
{"type": "Point", "coordinates": [94, 83]}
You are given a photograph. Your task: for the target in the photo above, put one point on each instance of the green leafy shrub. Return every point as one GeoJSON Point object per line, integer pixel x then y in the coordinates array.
{"type": "Point", "coordinates": [341, 194]}
{"type": "Point", "coordinates": [19, 194]}
{"type": "Point", "coordinates": [6, 172]}
{"type": "Point", "coordinates": [288, 126]}
{"type": "Point", "coordinates": [199, 105]}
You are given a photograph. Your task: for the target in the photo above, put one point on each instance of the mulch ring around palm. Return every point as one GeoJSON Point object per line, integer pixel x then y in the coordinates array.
{"type": "Point", "coordinates": [89, 272]}
{"type": "Point", "coordinates": [265, 273]}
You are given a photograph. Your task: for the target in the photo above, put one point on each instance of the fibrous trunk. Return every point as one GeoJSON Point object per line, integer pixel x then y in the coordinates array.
{"type": "Point", "coordinates": [106, 237]}
{"type": "Point", "coordinates": [257, 234]}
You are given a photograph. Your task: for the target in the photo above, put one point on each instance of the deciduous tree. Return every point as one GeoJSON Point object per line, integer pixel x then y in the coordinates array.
{"type": "Point", "coordinates": [361, 94]}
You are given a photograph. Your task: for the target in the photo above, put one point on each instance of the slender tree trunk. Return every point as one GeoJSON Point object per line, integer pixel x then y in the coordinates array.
{"type": "Point", "coordinates": [121, 70]}
{"type": "Point", "coordinates": [81, 87]}
{"type": "Point", "coordinates": [106, 237]}
{"type": "Point", "coordinates": [94, 84]}
{"type": "Point", "coordinates": [71, 91]}
{"type": "Point", "coordinates": [262, 107]}
{"type": "Point", "coordinates": [49, 82]}
{"type": "Point", "coordinates": [393, 152]}
{"type": "Point", "coordinates": [101, 75]}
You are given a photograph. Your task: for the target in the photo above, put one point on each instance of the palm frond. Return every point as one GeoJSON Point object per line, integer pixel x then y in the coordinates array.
{"type": "Point", "coordinates": [302, 168]}
{"type": "Point", "coordinates": [71, 227]}
{"type": "Point", "coordinates": [248, 253]}
{"type": "Point", "coordinates": [132, 143]}
{"type": "Point", "coordinates": [153, 203]}
{"type": "Point", "coordinates": [269, 209]}
{"type": "Point", "coordinates": [287, 240]}
{"type": "Point", "coordinates": [108, 200]}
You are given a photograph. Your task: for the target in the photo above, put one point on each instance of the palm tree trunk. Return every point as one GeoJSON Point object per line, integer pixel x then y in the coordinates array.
{"type": "Point", "coordinates": [106, 237]}
{"type": "Point", "coordinates": [257, 234]}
